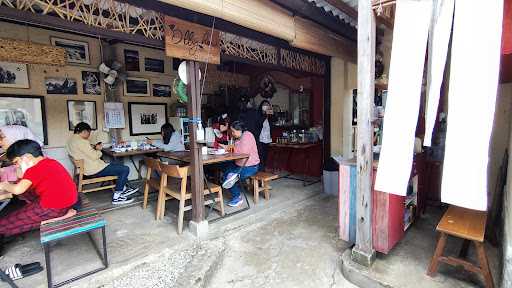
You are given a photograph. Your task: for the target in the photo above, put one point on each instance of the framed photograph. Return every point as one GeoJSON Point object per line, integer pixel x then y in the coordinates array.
{"type": "Point", "coordinates": [58, 85]}
{"type": "Point", "coordinates": [160, 90]}
{"type": "Point", "coordinates": [13, 75]}
{"type": "Point", "coordinates": [146, 118]}
{"type": "Point", "coordinates": [136, 87]}
{"type": "Point", "coordinates": [82, 111]}
{"type": "Point", "coordinates": [76, 51]}
{"type": "Point", "coordinates": [28, 111]}
{"type": "Point", "coordinates": [91, 83]}
{"type": "Point", "coordinates": [131, 60]}
{"type": "Point", "coordinates": [153, 65]}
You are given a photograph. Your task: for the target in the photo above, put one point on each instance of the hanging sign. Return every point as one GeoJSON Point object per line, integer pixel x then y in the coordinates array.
{"type": "Point", "coordinates": [191, 41]}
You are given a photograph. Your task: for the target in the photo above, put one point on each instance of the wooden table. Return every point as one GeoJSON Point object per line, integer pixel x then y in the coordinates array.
{"type": "Point", "coordinates": [184, 156]}
{"type": "Point", "coordinates": [130, 154]}
{"type": "Point", "coordinates": [304, 146]}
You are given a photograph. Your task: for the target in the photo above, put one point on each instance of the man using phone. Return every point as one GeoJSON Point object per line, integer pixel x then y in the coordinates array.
{"type": "Point", "coordinates": [79, 147]}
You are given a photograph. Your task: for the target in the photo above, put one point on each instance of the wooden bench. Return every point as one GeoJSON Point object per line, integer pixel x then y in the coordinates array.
{"type": "Point", "coordinates": [470, 226]}
{"type": "Point", "coordinates": [260, 182]}
{"type": "Point", "coordinates": [86, 220]}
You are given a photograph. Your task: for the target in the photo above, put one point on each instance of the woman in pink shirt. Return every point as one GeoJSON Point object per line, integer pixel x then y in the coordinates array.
{"type": "Point", "coordinates": [244, 144]}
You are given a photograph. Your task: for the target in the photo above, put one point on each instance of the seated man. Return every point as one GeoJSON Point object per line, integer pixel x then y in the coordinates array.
{"type": "Point", "coordinates": [53, 191]}
{"type": "Point", "coordinates": [79, 148]}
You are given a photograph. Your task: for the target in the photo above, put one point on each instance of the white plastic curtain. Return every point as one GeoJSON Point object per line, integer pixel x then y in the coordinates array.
{"type": "Point", "coordinates": [439, 38]}
{"type": "Point", "coordinates": [412, 20]}
{"type": "Point", "coordinates": [474, 71]}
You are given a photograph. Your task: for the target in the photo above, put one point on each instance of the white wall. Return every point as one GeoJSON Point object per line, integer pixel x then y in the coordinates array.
{"type": "Point", "coordinates": [506, 90]}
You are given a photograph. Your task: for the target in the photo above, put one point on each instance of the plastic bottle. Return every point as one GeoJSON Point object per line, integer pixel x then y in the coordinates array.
{"type": "Point", "coordinates": [200, 132]}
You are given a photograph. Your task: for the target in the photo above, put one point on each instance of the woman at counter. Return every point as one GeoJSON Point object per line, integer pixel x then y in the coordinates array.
{"type": "Point", "coordinates": [265, 137]}
{"type": "Point", "coordinates": [245, 143]}
{"type": "Point", "coordinates": [171, 140]}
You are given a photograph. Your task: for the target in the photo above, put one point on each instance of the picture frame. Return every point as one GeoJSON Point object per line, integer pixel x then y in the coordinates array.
{"type": "Point", "coordinates": [25, 110]}
{"type": "Point", "coordinates": [91, 83]}
{"type": "Point", "coordinates": [76, 51]}
{"type": "Point", "coordinates": [146, 118]}
{"type": "Point", "coordinates": [161, 90]}
{"type": "Point", "coordinates": [14, 75]}
{"type": "Point", "coordinates": [138, 87]}
{"type": "Point", "coordinates": [154, 65]}
{"type": "Point", "coordinates": [82, 111]}
{"type": "Point", "coordinates": [61, 85]}
{"type": "Point", "coordinates": [131, 60]}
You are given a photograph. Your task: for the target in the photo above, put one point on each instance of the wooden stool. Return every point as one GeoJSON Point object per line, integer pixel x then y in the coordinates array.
{"type": "Point", "coordinates": [260, 183]}
{"type": "Point", "coordinates": [470, 226]}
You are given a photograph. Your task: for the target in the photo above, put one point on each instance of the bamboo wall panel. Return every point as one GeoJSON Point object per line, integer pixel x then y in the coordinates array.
{"type": "Point", "coordinates": [242, 47]}
{"type": "Point", "coordinates": [297, 61]}
{"type": "Point", "coordinates": [20, 51]}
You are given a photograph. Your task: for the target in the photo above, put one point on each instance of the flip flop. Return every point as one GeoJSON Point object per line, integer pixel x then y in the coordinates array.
{"type": "Point", "coordinates": [18, 271]}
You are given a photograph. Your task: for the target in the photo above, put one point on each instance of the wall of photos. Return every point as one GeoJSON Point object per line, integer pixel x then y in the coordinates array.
{"type": "Point", "coordinates": [79, 79]}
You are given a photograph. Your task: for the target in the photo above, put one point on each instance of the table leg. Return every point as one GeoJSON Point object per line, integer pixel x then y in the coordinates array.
{"type": "Point", "coordinates": [136, 167]}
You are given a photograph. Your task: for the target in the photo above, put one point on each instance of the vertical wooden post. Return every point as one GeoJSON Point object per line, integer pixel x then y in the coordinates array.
{"type": "Point", "coordinates": [196, 163]}
{"type": "Point", "coordinates": [363, 252]}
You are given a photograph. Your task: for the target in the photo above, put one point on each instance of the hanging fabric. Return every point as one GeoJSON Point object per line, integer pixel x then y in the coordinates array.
{"type": "Point", "coordinates": [474, 70]}
{"type": "Point", "coordinates": [439, 38]}
{"type": "Point", "coordinates": [412, 20]}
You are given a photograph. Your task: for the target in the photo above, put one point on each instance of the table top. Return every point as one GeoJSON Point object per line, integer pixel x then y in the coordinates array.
{"type": "Point", "coordinates": [110, 152]}
{"type": "Point", "coordinates": [294, 146]}
{"type": "Point", "coordinates": [184, 156]}
{"type": "Point", "coordinates": [5, 195]}
{"type": "Point", "coordinates": [463, 223]}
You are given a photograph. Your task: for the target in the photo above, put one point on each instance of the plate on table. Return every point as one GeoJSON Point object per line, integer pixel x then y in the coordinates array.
{"type": "Point", "coordinates": [213, 151]}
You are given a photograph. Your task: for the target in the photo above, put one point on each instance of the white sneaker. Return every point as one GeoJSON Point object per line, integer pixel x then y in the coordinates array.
{"type": "Point", "coordinates": [129, 191]}
{"type": "Point", "coordinates": [122, 200]}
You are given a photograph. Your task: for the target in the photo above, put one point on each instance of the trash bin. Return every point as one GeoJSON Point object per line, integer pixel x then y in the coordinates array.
{"type": "Point", "coordinates": [330, 177]}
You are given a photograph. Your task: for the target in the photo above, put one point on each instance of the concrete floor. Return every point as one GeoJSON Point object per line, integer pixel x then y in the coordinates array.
{"type": "Point", "coordinates": [274, 239]}
{"type": "Point", "coordinates": [406, 264]}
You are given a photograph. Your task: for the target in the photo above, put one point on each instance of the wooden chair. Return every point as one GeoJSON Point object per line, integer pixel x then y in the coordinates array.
{"type": "Point", "coordinates": [174, 186]}
{"type": "Point", "coordinates": [84, 180]}
{"type": "Point", "coordinates": [150, 181]}
{"type": "Point", "coordinates": [260, 182]}
{"type": "Point", "coordinates": [470, 226]}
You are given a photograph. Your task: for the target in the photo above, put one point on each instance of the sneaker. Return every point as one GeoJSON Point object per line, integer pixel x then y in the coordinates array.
{"type": "Point", "coordinates": [122, 200]}
{"type": "Point", "coordinates": [129, 191]}
{"type": "Point", "coordinates": [235, 202]}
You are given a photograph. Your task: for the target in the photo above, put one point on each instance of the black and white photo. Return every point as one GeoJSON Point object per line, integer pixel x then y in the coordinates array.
{"type": "Point", "coordinates": [91, 83]}
{"type": "Point", "coordinates": [153, 65]}
{"type": "Point", "coordinates": [13, 75]}
{"type": "Point", "coordinates": [76, 51]}
{"type": "Point", "coordinates": [82, 111]}
{"type": "Point", "coordinates": [28, 111]}
{"type": "Point", "coordinates": [146, 118]}
{"type": "Point", "coordinates": [131, 60]}
{"type": "Point", "coordinates": [57, 85]}
{"type": "Point", "coordinates": [136, 87]}
{"type": "Point", "coordinates": [160, 90]}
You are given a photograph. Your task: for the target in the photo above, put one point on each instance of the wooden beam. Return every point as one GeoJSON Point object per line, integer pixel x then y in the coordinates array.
{"type": "Point", "coordinates": [343, 7]}
{"type": "Point", "coordinates": [363, 252]}
{"type": "Point", "coordinates": [196, 163]}
{"type": "Point", "coordinates": [320, 16]}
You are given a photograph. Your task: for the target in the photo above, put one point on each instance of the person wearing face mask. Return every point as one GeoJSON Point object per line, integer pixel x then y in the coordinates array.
{"type": "Point", "coordinates": [245, 143]}
{"type": "Point", "coordinates": [54, 190]}
{"type": "Point", "coordinates": [80, 148]}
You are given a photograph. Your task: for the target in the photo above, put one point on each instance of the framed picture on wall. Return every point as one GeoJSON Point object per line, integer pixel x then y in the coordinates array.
{"type": "Point", "coordinates": [136, 87]}
{"type": "Point", "coordinates": [76, 51]}
{"type": "Point", "coordinates": [82, 111]}
{"type": "Point", "coordinates": [146, 118]}
{"type": "Point", "coordinates": [28, 111]}
{"type": "Point", "coordinates": [91, 83]}
{"type": "Point", "coordinates": [131, 60]}
{"type": "Point", "coordinates": [160, 90]}
{"type": "Point", "coordinates": [153, 65]}
{"type": "Point", "coordinates": [60, 85]}
{"type": "Point", "coordinates": [13, 75]}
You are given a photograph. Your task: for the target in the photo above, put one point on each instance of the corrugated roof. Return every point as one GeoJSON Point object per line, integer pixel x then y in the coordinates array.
{"type": "Point", "coordinates": [337, 12]}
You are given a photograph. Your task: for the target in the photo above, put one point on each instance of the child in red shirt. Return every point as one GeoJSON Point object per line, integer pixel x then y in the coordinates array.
{"type": "Point", "coordinates": [54, 190]}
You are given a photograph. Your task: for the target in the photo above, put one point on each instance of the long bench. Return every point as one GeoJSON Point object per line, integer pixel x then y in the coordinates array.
{"type": "Point", "coordinates": [86, 220]}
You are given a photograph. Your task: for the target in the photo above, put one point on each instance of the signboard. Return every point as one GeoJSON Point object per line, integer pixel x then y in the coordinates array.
{"type": "Point", "coordinates": [191, 41]}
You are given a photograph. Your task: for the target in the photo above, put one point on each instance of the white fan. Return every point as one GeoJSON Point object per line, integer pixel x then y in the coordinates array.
{"type": "Point", "coordinates": [112, 73]}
